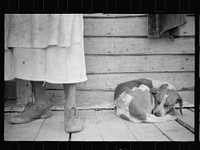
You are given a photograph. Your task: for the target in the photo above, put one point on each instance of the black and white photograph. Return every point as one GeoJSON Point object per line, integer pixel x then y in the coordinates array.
{"type": "Point", "coordinates": [99, 77]}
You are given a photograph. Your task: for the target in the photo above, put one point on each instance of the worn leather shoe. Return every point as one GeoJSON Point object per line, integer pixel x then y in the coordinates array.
{"type": "Point", "coordinates": [72, 121]}
{"type": "Point", "coordinates": [31, 112]}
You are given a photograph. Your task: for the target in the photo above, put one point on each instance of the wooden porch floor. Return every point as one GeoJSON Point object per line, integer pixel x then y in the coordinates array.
{"type": "Point", "coordinates": [101, 125]}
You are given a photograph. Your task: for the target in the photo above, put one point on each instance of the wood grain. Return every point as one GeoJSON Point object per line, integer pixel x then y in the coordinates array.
{"type": "Point", "coordinates": [138, 46]}
{"type": "Point", "coordinates": [24, 132]}
{"type": "Point", "coordinates": [112, 128]}
{"type": "Point", "coordinates": [7, 125]}
{"type": "Point", "coordinates": [187, 120]}
{"type": "Point", "coordinates": [175, 131]}
{"type": "Point", "coordinates": [93, 100]}
{"type": "Point", "coordinates": [100, 99]}
{"type": "Point", "coordinates": [91, 131]}
{"type": "Point", "coordinates": [136, 26]}
{"type": "Point", "coordinates": [124, 64]}
{"type": "Point", "coordinates": [181, 80]}
{"type": "Point", "coordinates": [145, 131]}
{"type": "Point", "coordinates": [102, 15]}
{"type": "Point", "coordinates": [53, 128]}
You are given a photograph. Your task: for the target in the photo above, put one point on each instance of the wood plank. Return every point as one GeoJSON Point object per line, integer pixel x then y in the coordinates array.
{"type": "Point", "coordinates": [102, 15]}
{"type": "Point", "coordinates": [151, 63]}
{"type": "Point", "coordinates": [100, 99]}
{"type": "Point", "coordinates": [175, 131]}
{"type": "Point", "coordinates": [112, 128]}
{"type": "Point", "coordinates": [109, 81]}
{"type": "Point", "coordinates": [7, 125]}
{"type": "Point", "coordinates": [187, 120]}
{"type": "Point", "coordinates": [145, 131]}
{"type": "Point", "coordinates": [91, 131]}
{"type": "Point", "coordinates": [84, 99]}
{"type": "Point", "coordinates": [136, 26]}
{"type": "Point", "coordinates": [24, 132]}
{"type": "Point", "coordinates": [139, 46]}
{"type": "Point", "coordinates": [93, 100]}
{"type": "Point", "coordinates": [53, 128]}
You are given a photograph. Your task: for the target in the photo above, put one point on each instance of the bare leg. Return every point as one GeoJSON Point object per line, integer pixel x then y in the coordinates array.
{"type": "Point", "coordinates": [40, 109]}
{"type": "Point", "coordinates": [71, 119]}
{"type": "Point", "coordinates": [40, 94]}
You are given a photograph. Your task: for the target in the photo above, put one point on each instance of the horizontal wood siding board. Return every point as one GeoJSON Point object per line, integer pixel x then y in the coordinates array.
{"type": "Point", "coordinates": [138, 46]}
{"type": "Point", "coordinates": [101, 15]}
{"type": "Point", "coordinates": [110, 81]}
{"type": "Point", "coordinates": [109, 64]}
{"type": "Point", "coordinates": [93, 100]}
{"type": "Point", "coordinates": [100, 99]}
{"type": "Point", "coordinates": [127, 27]}
{"type": "Point", "coordinates": [85, 99]}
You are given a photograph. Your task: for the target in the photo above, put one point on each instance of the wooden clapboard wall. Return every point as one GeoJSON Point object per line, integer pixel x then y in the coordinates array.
{"type": "Point", "coordinates": [117, 50]}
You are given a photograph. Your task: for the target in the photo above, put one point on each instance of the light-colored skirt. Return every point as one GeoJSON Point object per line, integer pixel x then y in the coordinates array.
{"type": "Point", "coordinates": [53, 64]}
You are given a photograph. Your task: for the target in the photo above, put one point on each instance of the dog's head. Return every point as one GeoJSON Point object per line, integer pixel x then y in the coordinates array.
{"type": "Point", "coordinates": [165, 99]}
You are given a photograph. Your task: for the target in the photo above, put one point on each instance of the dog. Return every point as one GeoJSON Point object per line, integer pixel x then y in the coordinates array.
{"type": "Point", "coordinates": [146, 100]}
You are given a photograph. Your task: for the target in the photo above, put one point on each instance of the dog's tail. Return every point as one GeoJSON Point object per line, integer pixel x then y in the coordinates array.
{"type": "Point", "coordinates": [152, 118]}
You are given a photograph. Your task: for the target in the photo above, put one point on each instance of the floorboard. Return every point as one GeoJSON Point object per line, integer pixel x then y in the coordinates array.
{"type": "Point", "coordinates": [53, 128]}
{"type": "Point", "coordinates": [101, 125]}
{"type": "Point", "coordinates": [145, 131]}
{"type": "Point", "coordinates": [7, 125]}
{"type": "Point", "coordinates": [24, 132]}
{"type": "Point", "coordinates": [91, 131]}
{"type": "Point", "coordinates": [113, 128]}
{"type": "Point", "coordinates": [187, 119]}
{"type": "Point", "coordinates": [174, 131]}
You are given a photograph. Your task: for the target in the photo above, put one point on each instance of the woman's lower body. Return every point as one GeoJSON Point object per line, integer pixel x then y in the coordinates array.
{"type": "Point", "coordinates": [60, 65]}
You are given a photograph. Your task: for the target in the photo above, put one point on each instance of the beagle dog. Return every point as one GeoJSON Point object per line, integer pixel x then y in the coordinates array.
{"type": "Point", "coordinates": [146, 100]}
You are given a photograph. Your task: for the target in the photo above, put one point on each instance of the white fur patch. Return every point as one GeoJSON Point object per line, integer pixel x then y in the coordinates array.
{"type": "Point", "coordinates": [122, 104]}
{"type": "Point", "coordinates": [165, 96]}
{"type": "Point", "coordinates": [141, 87]}
{"type": "Point", "coordinates": [153, 118]}
{"type": "Point", "coordinates": [157, 84]}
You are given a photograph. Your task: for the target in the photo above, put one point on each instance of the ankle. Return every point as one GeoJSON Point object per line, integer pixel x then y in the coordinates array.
{"type": "Point", "coordinates": [43, 104]}
{"type": "Point", "coordinates": [69, 105]}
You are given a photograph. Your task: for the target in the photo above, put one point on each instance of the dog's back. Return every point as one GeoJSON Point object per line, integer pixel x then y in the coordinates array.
{"type": "Point", "coordinates": [135, 101]}
{"type": "Point", "coordinates": [126, 86]}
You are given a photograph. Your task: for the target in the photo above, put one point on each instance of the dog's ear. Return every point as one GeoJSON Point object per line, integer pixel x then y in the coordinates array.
{"type": "Point", "coordinates": [180, 101]}
{"type": "Point", "coordinates": [154, 91]}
